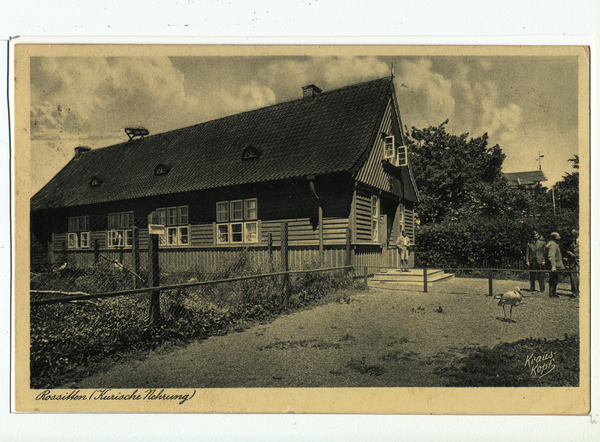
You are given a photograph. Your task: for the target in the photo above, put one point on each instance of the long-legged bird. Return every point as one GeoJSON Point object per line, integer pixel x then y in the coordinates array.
{"type": "Point", "coordinates": [514, 298]}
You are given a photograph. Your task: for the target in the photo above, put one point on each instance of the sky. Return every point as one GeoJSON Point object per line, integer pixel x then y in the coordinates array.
{"type": "Point", "coordinates": [526, 105]}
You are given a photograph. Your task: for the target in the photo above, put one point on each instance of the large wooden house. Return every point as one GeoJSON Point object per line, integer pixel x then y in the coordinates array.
{"type": "Point", "coordinates": [330, 163]}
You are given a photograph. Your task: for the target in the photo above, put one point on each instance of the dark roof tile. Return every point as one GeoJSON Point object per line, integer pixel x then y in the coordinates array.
{"type": "Point", "coordinates": [518, 178]}
{"type": "Point", "coordinates": [328, 134]}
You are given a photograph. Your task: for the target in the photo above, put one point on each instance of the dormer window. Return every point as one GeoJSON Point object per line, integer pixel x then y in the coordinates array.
{"type": "Point", "coordinates": [161, 169]}
{"type": "Point", "coordinates": [95, 181]}
{"type": "Point", "coordinates": [250, 153]}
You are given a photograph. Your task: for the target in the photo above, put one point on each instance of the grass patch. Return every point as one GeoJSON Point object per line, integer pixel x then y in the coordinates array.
{"type": "Point", "coordinates": [68, 339]}
{"type": "Point", "coordinates": [399, 356]}
{"type": "Point", "coordinates": [525, 363]}
{"type": "Point", "coordinates": [347, 337]}
{"type": "Point", "coordinates": [363, 367]}
{"type": "Point", "coordinates": [307, 343]}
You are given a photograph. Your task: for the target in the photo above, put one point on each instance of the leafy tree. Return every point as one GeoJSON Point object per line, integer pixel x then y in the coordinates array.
{"type": "Point", "coordinates": [566, 192]}
{"type": "Point", "coordinates": [455, 175]}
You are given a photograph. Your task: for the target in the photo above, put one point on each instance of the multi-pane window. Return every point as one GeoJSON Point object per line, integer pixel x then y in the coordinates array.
{"type": "Point", "coordinates": [84, 238]}
{"type": "Point", "coordinates": [120, 226]}
{"type": "Point", "coordinates": [237, 213]}
{"type": "Point", "coordinates": [237, 221]}
{"type": "Point", "coordinates": [176, 221]}
{"type": "Point", "coordinates": [396, 155]}
{"type": "Point", "coordinates": [402, 156]}
{"type": "Point", "coordinates": [375, 218]}
{"type": "Point", "coordinates": [78, 235]}
{"type": "Point", "coordinates": [250, 209]}
{"type": "Point", "coordinates": [223, 212]}
{"type": "Point", "coordinates": [389, 149]}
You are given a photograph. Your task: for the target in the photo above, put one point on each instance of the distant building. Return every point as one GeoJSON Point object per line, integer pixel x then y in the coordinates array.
{"type": "Point", "coordinates": [526, 179]}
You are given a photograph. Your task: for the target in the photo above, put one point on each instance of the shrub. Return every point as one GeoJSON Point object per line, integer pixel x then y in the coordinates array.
{"type": "Point", "coordinates": [69, 335]}
{"type": "Point", "coordinates": [486, 242]}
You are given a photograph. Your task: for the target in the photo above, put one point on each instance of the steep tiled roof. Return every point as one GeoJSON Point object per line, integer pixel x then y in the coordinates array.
{"type": "Point", "coordinates": [524, 178]}
{"type": "Point", "coordinates": [328, 134]}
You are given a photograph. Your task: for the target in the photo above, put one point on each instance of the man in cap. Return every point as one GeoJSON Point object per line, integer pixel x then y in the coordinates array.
{"type": "Point", "coordinates": [573, 253]}
{"type": "Point", "coordinates": [534, 257]}
{"type": "Point", "coordinates": [554, 262]}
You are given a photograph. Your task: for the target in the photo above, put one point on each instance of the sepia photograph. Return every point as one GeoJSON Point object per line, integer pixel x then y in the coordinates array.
{"type": "Point", "coordinates": [312, 229]}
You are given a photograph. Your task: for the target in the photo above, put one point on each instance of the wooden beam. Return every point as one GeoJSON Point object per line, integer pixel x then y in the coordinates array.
{"type": "Point", "coordinates": [320, 227]}
{"type": "Point", "coordinates": [153, 279]}
{"type": "Point", "coordinates": [178, 286]}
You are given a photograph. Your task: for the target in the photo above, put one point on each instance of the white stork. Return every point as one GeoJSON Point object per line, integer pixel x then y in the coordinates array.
{"type": "Point", "coordinates": [514, 298]}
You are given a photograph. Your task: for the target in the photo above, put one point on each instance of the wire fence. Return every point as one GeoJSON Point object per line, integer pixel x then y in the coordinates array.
{"type": "Point", "coordinates": [79, 315]}
{"type": "Point", "coordinates": [121, 300]}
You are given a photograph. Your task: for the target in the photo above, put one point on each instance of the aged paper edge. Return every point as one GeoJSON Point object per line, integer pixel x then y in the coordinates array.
{"type": "Point", "coordinates": [509, 401]}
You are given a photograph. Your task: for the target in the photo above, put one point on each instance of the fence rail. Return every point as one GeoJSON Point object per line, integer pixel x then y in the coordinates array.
{"type": "Point", "coordinates": [80, 297]}
{"type": "Point", "coordinates": [473, 269]}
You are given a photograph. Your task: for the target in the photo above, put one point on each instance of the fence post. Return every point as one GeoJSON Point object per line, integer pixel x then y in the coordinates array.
{"type": "Point", "coordinates": [491, 284]}
{"type": "Point", "coordinates": [321, 249]}
{"type": "Point", "coordinates": [425, 280]}
{"type": "Point", "coordinates": [366, 275]}
{"type": "Point", "coordinates": [270, 250]}
{"type": "Point", "coordinates": [135, 255]}
{"type": "Point", "coordinates": [284, 261]}
{"type": "Point", "coordinates": [153, 279]}
{"type": "Point", "coordinates": [96, 251]}
{"type": "Point", "coordinates": [348, 257]}
{"type": "Point", "coordinates": [63, 253]}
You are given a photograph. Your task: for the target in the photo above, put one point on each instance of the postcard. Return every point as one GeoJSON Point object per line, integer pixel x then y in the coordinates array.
{"type": "Point", "coordinates": [302, 229]}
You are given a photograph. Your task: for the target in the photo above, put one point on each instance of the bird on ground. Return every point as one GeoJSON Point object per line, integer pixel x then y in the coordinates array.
{"type": "Point", "coordinates": [514, 298]}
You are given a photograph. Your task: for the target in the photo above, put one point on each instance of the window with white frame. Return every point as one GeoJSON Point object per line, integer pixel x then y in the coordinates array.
{"type": "Point", "coordinates": [402, 156]}
{"type": "Point", "coordinates": [237, 221]}
{"type": "Point", "coordinates": [375, 206]}
{"type": "Point", "coordinates": [78, 236]}
{"type": "Point", "coordinates": [177, 228]}
{"type": "Point", "coordinates": [120, 232]}
{"type": "Point", "coordinates": [389, 149]}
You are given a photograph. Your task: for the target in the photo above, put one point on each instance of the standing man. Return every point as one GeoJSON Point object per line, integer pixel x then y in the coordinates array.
{"type": "Point", "coordinates": [554, 262]}
{"type": "Point", "coordinates": [534, 256]}
{"type": "Point", "coordinates": [573, 253]}
{"type": "Point", "coordinates": [402, 243]}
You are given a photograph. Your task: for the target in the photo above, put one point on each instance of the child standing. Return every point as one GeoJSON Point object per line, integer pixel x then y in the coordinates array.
{"type": "Point", "coordinates": [403, 243]}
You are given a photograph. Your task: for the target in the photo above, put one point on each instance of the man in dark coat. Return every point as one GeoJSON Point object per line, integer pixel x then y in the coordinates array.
{"type": "Point", "coordinates": [534, 256]}
{"type": "Point", "coordinates": [554, 262]}
{"type": "Point", "coordinates": [573, 253]}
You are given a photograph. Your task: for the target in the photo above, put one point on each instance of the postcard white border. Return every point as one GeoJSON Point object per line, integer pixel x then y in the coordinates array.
{"type": "Point", "coordinates": [329, 427]}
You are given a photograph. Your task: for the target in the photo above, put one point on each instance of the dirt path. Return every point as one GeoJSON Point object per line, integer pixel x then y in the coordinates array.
{"type": "Point", "coordinates": [374, 338]}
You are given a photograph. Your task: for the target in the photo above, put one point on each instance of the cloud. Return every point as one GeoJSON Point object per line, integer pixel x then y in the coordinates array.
{"type": "Point", "coordinates": [428, 96]}
{"type": "Point", "coordinates": [338, 72]}
{"type": "Point", "coordinates": [488, 116]}
{"type": "Point", "coordinates": [99, 97]}
{"type": "Point", "coordinates": [285, 77]}
{"type": "Point", "coordinates": [249, 96]}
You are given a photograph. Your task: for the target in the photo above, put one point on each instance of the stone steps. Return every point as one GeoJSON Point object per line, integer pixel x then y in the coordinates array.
{"type": "Point", "coordinates": [395, 279]}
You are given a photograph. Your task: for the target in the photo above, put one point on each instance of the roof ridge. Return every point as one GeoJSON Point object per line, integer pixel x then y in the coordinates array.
{"type": "Point", "coordinates": [326, 135]}
{"type": "Point", "coordinates": [239, 114]}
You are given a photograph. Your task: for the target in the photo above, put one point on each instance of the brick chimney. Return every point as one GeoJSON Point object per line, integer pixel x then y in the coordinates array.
{"type": "Point", "coordinates": [80, 150]}
{"type": "Point", "coordinates": [309, 92]}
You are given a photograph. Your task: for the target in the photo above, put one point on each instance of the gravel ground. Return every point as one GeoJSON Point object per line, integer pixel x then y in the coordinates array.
{"type": "Point", "coordinates": [374, 338]}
